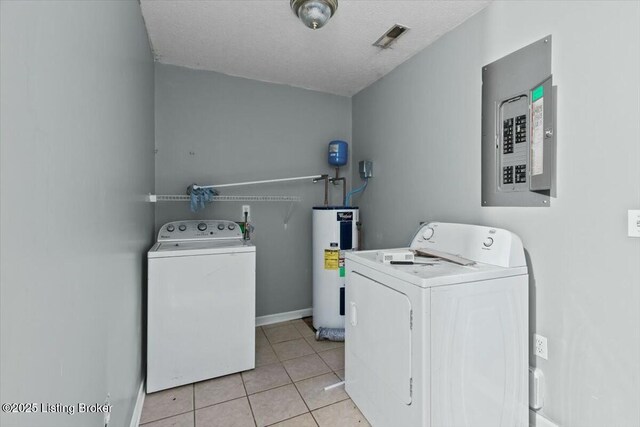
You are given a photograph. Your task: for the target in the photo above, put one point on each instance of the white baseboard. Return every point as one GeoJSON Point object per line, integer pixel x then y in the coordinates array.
{"type": "Point", "coordinates": [283, 317]}
{"type": "Point", "coordinates": [537, 420]}
{"type": "Point", "coordinates": [137, 410]}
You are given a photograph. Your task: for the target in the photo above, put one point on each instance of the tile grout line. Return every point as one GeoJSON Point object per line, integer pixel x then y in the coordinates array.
{"type": "Point", "coordinates": [287, 419]}
{"type": "Point", "coordinates": [226, 400]}
{"type": "Point", "coordinates": [219, 403]}
{"type": "Point", "coordinates": [324, 406]}
{"type": "Point", "coordinates": [315, 420]}
{"type": "Point", "coordinates": [299, 394]}
{"type": "Point", "coordinates": [246, 393]}
{"type": "Point", "coordinates": [287, 340]}
{"type": "Point", "coordinates": [278, 386]}
{"type": "Point", "coordinates": [244, 386]}
{"type": "Point", "coordinates": [164, 418]}
{"type": "Point", "coordinates": [276, 327]}
{"type": "Point", "coordinates": [294, 383]}
{"type": "Point", "coordinates": [261, 391]}
{"type": "Point", "coordinates": [335, 403]}
{"type": "Point", "coordinates": [334, 372]}
{"type": "Point", "coordinates": [283, 386]}
{"type": "Point", "coordinates": [313, 376]}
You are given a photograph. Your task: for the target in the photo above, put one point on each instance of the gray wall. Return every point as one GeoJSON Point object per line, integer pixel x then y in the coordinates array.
{"type": "Point", "coordinates": [76, 159]}
{"type": "Point", "coordinates": [214, 129]}
{"type": "Point", "coordinates": [421, 126]}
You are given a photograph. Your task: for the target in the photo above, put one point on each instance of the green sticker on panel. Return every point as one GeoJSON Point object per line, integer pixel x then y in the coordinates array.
{"type": "Point", "coordinates": [341, 271]}
{"type": "Point", "coordinates": [537, 93]}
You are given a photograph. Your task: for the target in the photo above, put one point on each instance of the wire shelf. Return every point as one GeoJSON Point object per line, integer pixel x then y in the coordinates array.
{"type": "Point", "coordinates": [153, 198]}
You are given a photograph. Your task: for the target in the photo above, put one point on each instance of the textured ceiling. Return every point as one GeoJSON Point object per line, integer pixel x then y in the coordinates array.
{"type": "Point", "coordinates": [264, 40]}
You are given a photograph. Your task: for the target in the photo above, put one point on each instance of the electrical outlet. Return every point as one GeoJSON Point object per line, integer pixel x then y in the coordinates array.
{"type": "Point", "coordinates": [540, 346]}
{"type": "Point", "coordinates": [247, 209]}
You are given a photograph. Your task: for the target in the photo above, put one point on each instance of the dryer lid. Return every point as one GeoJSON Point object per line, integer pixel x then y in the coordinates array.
{"type": "Point", "coordinates": [427, 272]}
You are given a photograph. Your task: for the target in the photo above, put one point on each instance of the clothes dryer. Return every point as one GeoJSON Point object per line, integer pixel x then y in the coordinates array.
{"type": "Point", "coordinates": [435, 343]}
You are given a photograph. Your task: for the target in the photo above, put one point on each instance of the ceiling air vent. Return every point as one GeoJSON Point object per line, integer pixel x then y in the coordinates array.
{"type": "Point", "coordinates": [391, 36]}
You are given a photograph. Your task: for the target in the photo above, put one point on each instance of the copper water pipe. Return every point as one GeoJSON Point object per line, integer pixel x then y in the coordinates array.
{"type": "Point", "coordinates": [325, 178]}
{"type": "Point", "coordinates": [344, 185]}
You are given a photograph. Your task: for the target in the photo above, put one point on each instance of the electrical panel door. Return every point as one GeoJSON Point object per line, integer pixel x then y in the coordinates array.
{"type": "Point", "coordinates": [518, 119]}
{"type": "Point", "coordinates": [543, 149]}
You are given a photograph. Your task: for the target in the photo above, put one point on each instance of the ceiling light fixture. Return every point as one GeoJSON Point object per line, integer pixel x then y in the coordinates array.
{"type": "Point", "coordinates": [314, 13]}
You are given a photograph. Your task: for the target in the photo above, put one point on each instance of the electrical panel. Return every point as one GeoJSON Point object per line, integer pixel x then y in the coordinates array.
{"type": "Point", "coordinates": [518, 119]}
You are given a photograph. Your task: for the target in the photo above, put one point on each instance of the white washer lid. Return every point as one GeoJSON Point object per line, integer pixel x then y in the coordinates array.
{"type": "Point", "coordinates": [437, 272]}
{"type": "Point", "coordinates": [189, 248]}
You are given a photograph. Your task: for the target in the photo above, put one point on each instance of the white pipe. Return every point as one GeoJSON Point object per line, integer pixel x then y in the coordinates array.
{"type": "Point", "coordinates": [329, 387]}
{"type": "Point", "coordinates": [266, 181]}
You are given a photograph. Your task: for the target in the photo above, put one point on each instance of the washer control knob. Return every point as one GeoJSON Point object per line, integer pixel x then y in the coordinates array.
{"type": "Point", "coordinates": [428, 233]}
{"type": "Point", "coordinates": [231, 227]}
{"type": "Point", "coordinates": [182, 227]}
{"type": "Point", "coordinates": [488, 242]}
{"type": "Point", "coordinates": [220, 226]}
{"type": "Point", "coordinates": [202, 226]}
{"type": "Point", "coordinates": [170, 228]}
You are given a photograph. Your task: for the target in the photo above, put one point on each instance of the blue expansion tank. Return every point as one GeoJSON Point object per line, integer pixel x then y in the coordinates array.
{"type": "Point", "coordinates": [338, 153]}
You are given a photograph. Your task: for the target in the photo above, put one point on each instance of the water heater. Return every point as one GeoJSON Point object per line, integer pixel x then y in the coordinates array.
{"type": "Point", "coordinates": [334, 233]}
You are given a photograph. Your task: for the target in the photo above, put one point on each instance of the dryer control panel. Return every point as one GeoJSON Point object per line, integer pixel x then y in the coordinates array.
{"type": "Point", "coordinates": [199, 230]}
{"type": "Point", "coordinates": [487, 245]}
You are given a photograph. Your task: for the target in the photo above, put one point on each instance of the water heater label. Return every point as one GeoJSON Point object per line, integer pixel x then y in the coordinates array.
{"type": "Point", "coordinates": [331, 259]}
{"type": "Point", "coordinates": [345, 216]}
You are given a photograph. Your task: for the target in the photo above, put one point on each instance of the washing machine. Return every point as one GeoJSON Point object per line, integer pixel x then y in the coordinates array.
{"type": "Point", "coordinates": [440, 343]}
{"type": "Point", "coordinates": [201, 303]}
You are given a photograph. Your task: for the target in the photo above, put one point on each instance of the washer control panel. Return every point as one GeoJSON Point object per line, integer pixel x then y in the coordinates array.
{"type": "Point", "coordinates": [199, 230]}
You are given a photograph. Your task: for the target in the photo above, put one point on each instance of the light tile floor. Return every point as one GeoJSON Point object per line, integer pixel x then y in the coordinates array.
{"type": "Point", "coordinates": [285, 389]}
